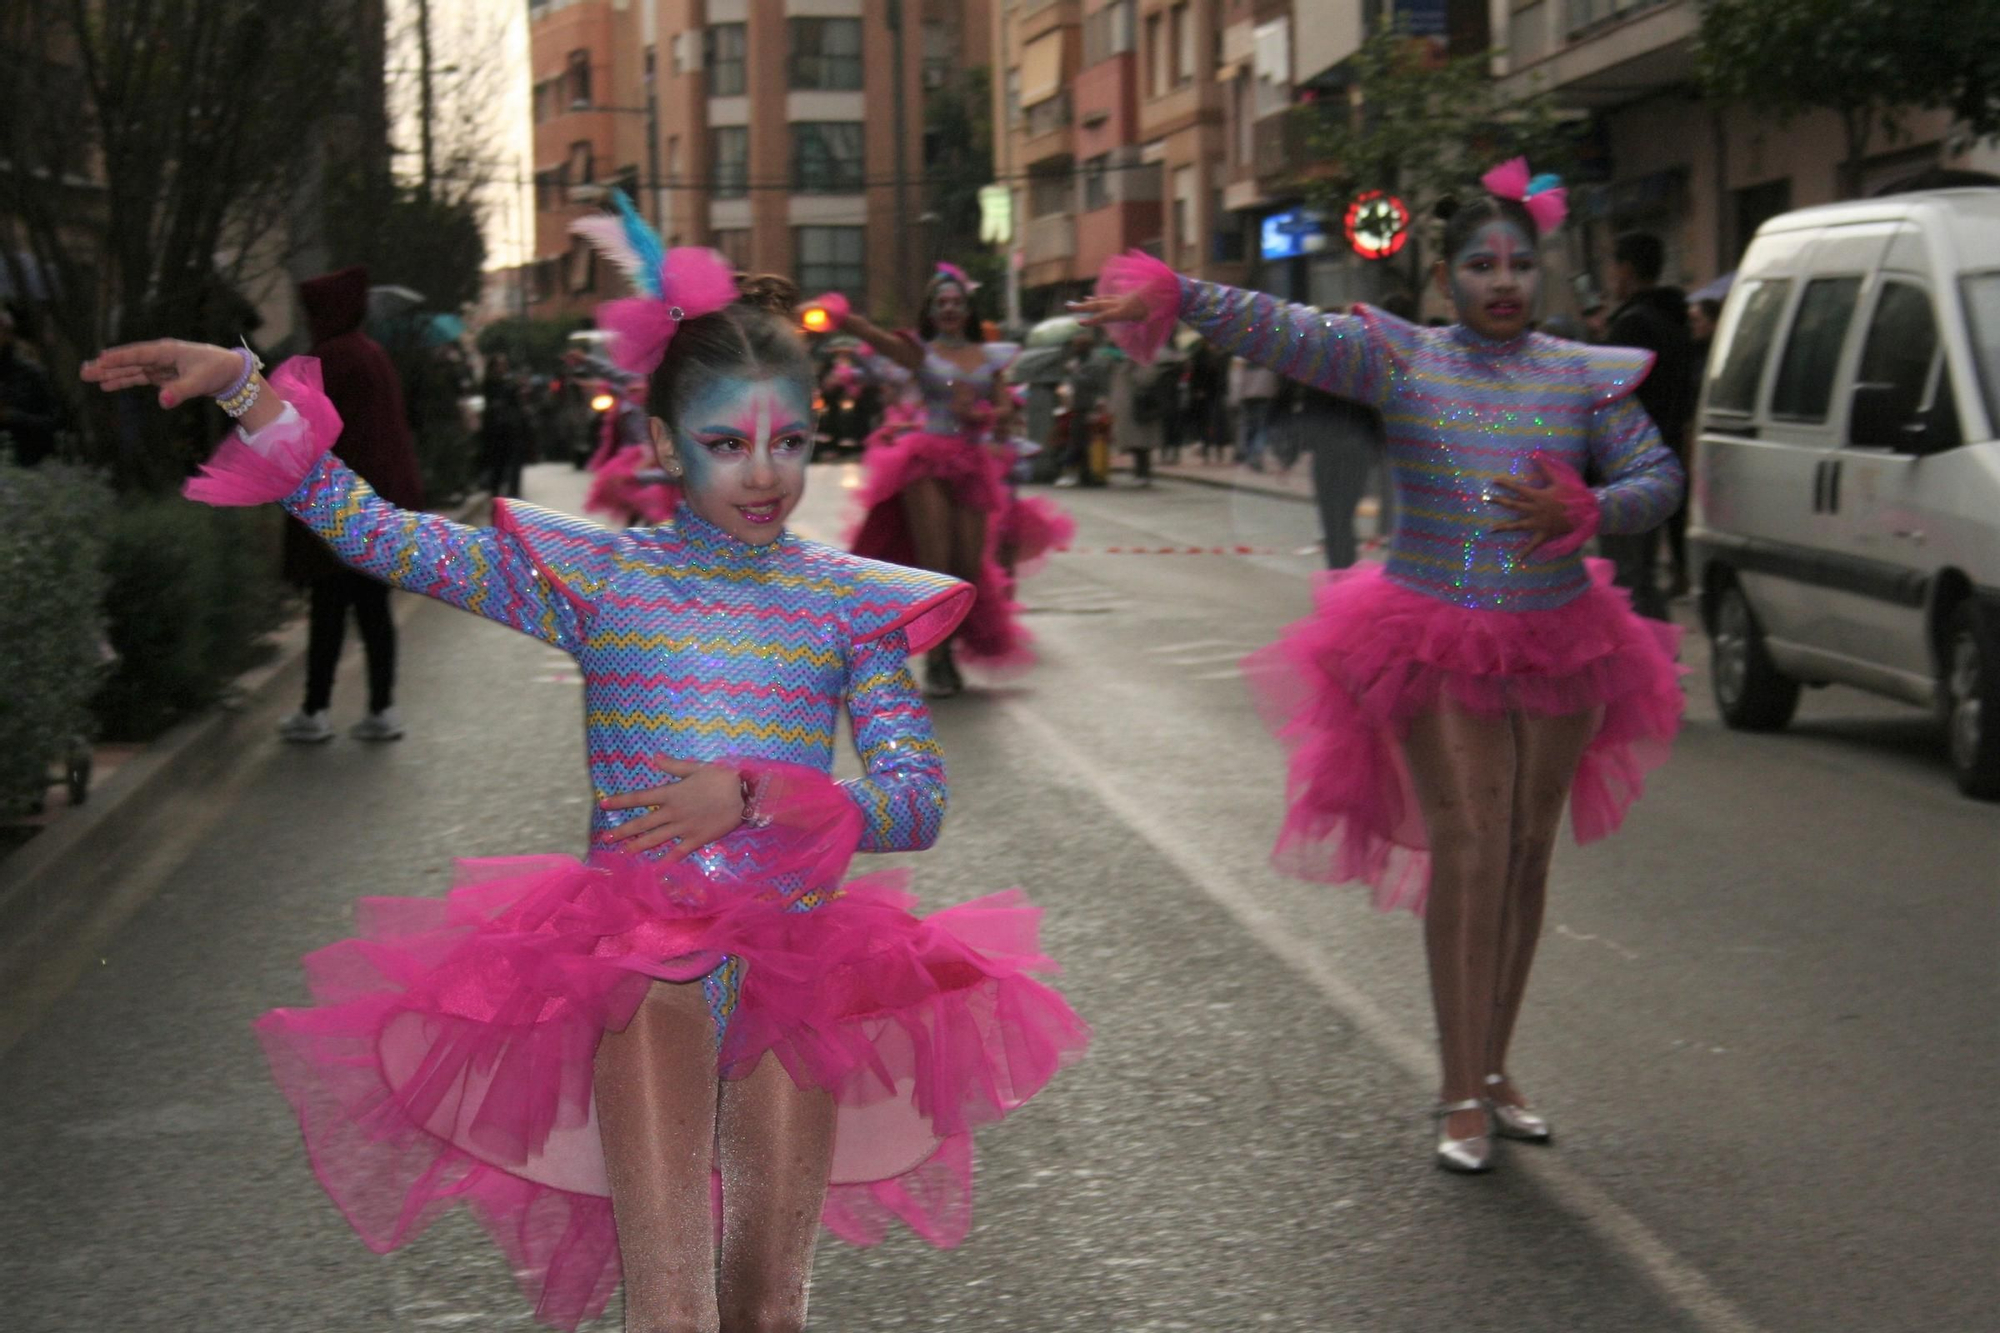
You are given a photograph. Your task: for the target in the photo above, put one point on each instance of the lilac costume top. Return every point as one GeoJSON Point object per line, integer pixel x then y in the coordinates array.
{"type": "Point", "coordinates": [1460, 411]}
{"type": "Point", "coordinates": [939, 382]}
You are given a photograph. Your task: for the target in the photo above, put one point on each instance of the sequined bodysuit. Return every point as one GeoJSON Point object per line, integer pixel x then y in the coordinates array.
{"type": "Point", "coordinates": [692, 645]}
{"type": "Point", "coordinates": [1459, 412]}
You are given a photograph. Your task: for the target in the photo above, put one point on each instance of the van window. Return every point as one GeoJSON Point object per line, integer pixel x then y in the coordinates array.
{"type": "Point", "coordinates": [1812, 353]}
{"type": "Point", "coordinates": [1902, 344]}
{"type": "Point", "coordinates": [1742, 360]}
{"type": "Point", "coordinates": [1982, 317]}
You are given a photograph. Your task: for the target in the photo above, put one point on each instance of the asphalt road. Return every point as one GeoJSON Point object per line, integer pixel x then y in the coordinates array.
{"type": "Point", "coordinates": [1763, 1023]}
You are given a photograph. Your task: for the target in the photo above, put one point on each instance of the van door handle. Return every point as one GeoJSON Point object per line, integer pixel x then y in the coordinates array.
{"type": "Point", "coordinates": [1833, 487]}
{"type": "Point", "coordinates": [1819, 486]}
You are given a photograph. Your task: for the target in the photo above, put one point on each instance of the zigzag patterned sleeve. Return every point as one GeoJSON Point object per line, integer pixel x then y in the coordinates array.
{"type": "Point", "coordinates": [902, 800]}
{"type": "Point", "coordinates": [1641, 481]}
{"type": "Point", "coordinates": [1341, 354]}
{"type": "Point", "coordinates": [481, 570]}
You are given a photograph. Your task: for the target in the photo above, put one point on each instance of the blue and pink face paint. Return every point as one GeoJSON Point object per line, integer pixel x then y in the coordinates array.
{"type": "Point", "coordinates": [1494, 279]}
{"type": "Point", "coordinates": [744, 445]}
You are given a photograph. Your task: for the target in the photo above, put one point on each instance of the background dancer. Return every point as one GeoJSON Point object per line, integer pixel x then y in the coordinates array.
{"type": "Point", "coordinates": [933, 496]}
{"type": "Point", "coordinates": [536, 1045]}
{"type": "Point", "coordinates": [1441, 709]}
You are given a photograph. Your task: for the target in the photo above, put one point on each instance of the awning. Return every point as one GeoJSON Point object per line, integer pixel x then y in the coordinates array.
{"type": "Point", "coordinates": [1041, 68]}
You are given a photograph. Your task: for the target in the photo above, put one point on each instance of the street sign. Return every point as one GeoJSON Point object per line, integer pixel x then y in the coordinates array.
{"type": "Point", "coordinates": [1377, 224]}
{"type": "Point", "coordinates": [1295, 232]}
{"type": "Point", "coordinates": [996, 214]}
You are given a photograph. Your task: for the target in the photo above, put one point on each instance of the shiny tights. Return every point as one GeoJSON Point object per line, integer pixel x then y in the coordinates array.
{"type": "Point", "coordinates": [667, 1124]}
{"type": "Point", "coordinates": [1492, 791]}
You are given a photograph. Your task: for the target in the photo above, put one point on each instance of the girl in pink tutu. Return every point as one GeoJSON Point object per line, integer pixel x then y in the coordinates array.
{"type": "Point", "coordinates": [1443, 708]}
{"type": "Point", "coordinates": [686, 1051]}
{"type": "Point", "coordinates": [932, 496]}
{"type": "Point", "coordinates": [629, 486]}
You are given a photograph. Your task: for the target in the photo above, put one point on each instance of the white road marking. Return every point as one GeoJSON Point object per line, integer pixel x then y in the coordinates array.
{"type": "Point", "coordinates": [1680, 1283]}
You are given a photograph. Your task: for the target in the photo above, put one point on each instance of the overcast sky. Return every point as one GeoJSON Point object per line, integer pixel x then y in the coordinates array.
{"type": "Point", "coordinates": [491, 38]}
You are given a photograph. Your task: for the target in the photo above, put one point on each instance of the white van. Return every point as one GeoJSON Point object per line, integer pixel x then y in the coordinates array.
{"type": "Point", "coordinates": [1845, 515]}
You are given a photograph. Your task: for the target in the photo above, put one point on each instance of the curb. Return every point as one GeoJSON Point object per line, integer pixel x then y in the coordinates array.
{"type": "Point", "coordinates": [64, 869]}
{"type": "Point", "coordinates": [1223, 483]}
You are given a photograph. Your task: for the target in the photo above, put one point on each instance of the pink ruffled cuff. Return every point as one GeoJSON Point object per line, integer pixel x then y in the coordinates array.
{"type": "Point", "coordinates": [1159, 286]}
{"type": "Point", "coordinates": [285, 453]}
{"type": "Point", "coordinates": [1578, 501]}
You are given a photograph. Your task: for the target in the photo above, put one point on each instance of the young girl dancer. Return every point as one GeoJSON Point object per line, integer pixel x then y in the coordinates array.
{"type": "Point", "coordinates": [932, 496]}
{"type": "Point", "coordinates": [1443, 707]}
{"type": "Point", "coordinates": [577, 1049]}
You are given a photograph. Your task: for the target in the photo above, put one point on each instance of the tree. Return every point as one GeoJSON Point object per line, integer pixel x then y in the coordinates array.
{"type": "Point", "coordinates": [1423, 127]}
{"type": "Point", "coordinates": [958, 162]}
{"type": "Point", "coordinates": [158, 158]}
{"type": "Point", "coordinates": [1870, 62]}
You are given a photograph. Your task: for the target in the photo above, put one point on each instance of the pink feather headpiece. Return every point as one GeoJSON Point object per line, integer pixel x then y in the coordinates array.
{"type": "Point", "coordinates": [674, 285]}
{"type": "Point", "coordinates": [1543, 196]}
{"type": "Point", "coordinates": [957, 275]}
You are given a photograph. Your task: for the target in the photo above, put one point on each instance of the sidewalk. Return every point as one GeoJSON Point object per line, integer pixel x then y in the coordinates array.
{"type": "Point", "coordinates": [1295, 484]}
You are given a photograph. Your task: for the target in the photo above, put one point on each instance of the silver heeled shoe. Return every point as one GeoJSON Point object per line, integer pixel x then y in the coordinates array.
{"type": "Point", "coordinates": [1516, 1122]}
{"type": "Point", "coordinates": [1465, 1156]}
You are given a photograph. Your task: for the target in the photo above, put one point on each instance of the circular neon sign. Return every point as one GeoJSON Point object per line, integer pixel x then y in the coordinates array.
{"type": "Point", "coordinates": [1377, 224]}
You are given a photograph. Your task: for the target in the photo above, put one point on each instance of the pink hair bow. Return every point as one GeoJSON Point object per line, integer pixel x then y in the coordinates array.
{"type": "Point", "coordinates": [692, 282]}
{"type": "Point", "coordinates": [1543, 196]}
{"type": "Point", "coordinates": [957, 275]}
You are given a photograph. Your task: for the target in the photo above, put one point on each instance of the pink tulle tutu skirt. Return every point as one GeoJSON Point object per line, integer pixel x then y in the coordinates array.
{"type": "Point", "coordinates": [1033, 526]}
{"type": "Point", "coordinates": [629, 489]}
{"type": "Point", "coordinates": [1341, 687]}
{"type": "Point", "coordinates": [448, 1055]}
{"type": "Point", "coordinates": [992, 636]}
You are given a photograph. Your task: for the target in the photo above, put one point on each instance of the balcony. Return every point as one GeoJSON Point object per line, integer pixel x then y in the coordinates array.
{"type": "Point", "coordinates": [1050, 239]}
{"type": "Point", "coordinates": [1047, 129]}
{"type": "Point", "coordinates": [1600, 53]}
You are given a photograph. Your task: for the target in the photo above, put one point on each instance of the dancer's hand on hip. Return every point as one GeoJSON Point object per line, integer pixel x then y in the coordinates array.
{"type": "Point", "coordinates": [183, 370]}
{"type": "Point", "coordinates": [1542, 511]}
{"type": "Point", "coordinates": [1095, 310]}
{"type": "Point", "coordinates": [705, 804]}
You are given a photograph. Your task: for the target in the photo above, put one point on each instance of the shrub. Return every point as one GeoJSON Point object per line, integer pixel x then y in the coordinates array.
{"type": "Point", "coordinates": [51, 629]}
{"type": "Point", "coordinates": [191, 592]}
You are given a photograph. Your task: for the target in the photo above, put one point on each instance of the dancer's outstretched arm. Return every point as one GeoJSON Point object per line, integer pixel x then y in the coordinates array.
{"type": "Point", "coordinates": [1141, 299]}
{"type": "Point", "coordinates": [902, 800]}
{"type": "Point", "coordinates": [282, 452]}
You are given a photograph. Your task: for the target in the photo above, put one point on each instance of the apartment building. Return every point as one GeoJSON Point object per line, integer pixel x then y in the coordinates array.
{"type": "Point", "coordinates": [1108, 130]}
{"type": "Point", "coordinates": [768, 129]}
{"type": "Point", "coordinates": [1702, 176]}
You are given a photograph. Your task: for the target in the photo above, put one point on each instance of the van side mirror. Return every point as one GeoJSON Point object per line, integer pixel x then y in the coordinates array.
{"type": "Point", "coordinates": [1883, 417]}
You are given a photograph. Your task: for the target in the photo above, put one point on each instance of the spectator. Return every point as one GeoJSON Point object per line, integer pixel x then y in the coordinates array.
{"type": "Point", "coordinates": [375, 442]}
{"type": "Point", "coordinates": [1208, 400]}
{"type": "Point", "coordinates": [28, 406]}
{"type": "Point", "coordinates": [1091, 363]}
{"type": "Point", "coordinates": [503, 429]}
{"type": "Point", "coordinates": [1252, 389]}
{"type": "Point", "coordinates": [1142, 398]}
{"type": "Point", "coordinates": [1653, 317]}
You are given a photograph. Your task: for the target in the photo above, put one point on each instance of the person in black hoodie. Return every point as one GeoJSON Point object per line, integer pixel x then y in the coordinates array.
{"type": "Point", "coordinates": [375, 442]}
{"type": "Point", "coordinates": [1655, 318]}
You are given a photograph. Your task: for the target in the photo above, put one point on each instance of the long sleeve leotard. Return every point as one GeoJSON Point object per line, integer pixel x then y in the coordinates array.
{"type": "Point", "coordinates": [1461, 411]}
{"type": "Point", "coordinates": [692, 644]}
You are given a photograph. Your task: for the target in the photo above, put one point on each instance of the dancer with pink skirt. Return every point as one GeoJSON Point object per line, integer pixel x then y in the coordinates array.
{"type": "Point", "coordinates": [674, 1059]}
{"type": "Point", "coordinates": [934, 495]}
{"type": "Point", "coordinates": [1442, 709]}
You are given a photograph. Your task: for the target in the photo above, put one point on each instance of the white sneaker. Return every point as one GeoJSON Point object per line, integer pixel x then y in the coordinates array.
{"type": "Point", "coordinates": [303, 728]}
{"type": "Point", "coordinates": [383, 726]}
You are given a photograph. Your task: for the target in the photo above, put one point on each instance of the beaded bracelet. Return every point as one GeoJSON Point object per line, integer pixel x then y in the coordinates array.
{"type": "Point", "coordinates": [243, 394]}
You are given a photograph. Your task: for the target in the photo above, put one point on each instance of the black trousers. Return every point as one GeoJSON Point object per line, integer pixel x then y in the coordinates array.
{"type": "Point", "coordinates": [332, 595]}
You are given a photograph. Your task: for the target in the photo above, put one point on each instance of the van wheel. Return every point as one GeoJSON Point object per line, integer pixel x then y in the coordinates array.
{"type": "Point", "coordinates": [1971, 686]}
{"type": "Point", "coordinates": [1752, 694]}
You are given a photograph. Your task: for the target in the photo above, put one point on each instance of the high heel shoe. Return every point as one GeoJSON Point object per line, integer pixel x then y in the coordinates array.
{"type": "Point", "coordinates": [1516, 1122]}
{"type": "Point", "coordinates": [1465, 1156]}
